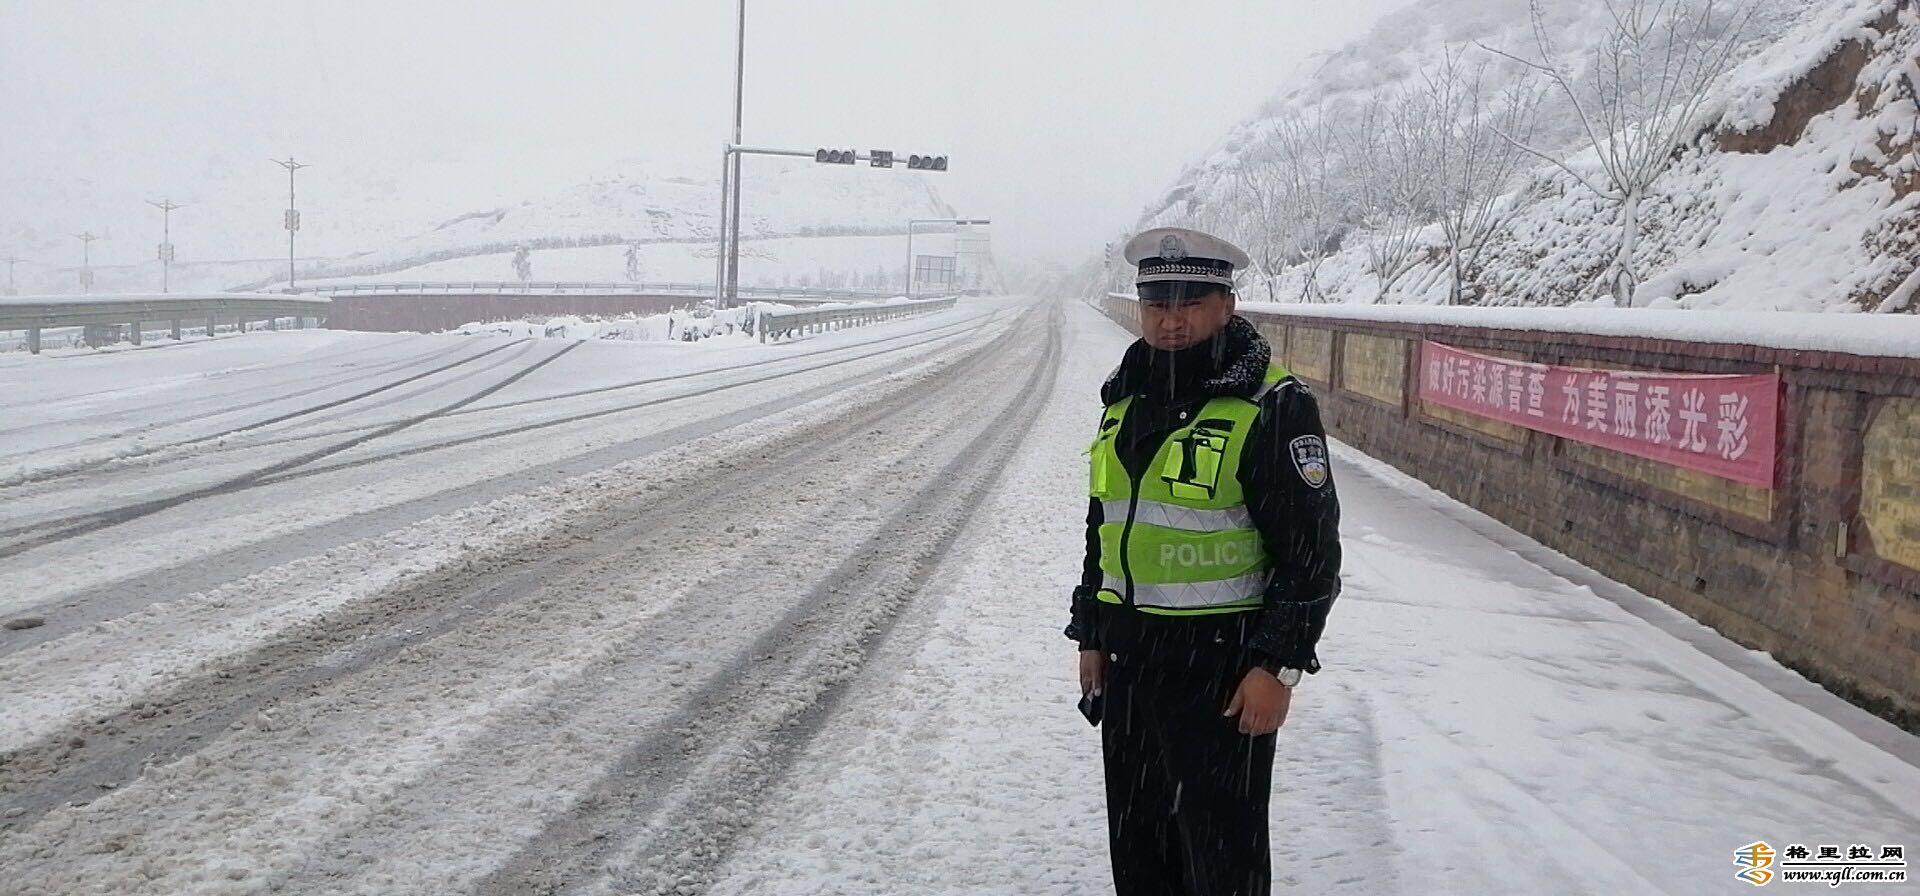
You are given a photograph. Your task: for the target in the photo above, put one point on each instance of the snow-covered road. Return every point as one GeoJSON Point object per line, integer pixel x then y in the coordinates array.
{"type": "Point", "coordinates": [383, 614]}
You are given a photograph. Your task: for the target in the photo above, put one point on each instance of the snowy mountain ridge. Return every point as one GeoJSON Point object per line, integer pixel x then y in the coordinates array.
{"type": "Point", "coordinates": [640, 205]}
{"type": "Point", "coordinates": [1798, 193]}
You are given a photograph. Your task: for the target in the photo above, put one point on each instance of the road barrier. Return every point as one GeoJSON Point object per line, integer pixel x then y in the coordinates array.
{"type": "Point", "coordinates": [779, 324]}
{"type": "Point", "coordinates": [103, 316]}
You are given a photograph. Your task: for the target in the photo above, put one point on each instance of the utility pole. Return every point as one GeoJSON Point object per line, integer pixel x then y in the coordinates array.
{"type": "Point", "coordinates": [166, 207]}
{"type": "Point", "coordinates": [86, 239]}
{"type": "Point", "coordinates": [293, 213]}
{"type": "Point", "coordinates": [12, 260]}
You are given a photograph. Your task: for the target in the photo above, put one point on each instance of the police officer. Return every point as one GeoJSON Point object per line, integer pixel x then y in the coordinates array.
{"type": "Point", "coordinates": [1212, 560]}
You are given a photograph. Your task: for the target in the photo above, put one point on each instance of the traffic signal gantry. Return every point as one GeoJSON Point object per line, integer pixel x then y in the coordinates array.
{"type": "Point", "coordinates": [877, 158]}
{"type": "Point", "coordinates": [727, 275]}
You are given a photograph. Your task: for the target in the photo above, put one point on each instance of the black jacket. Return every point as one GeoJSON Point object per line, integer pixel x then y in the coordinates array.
{"type": "Point", "coordinates": [1298, 521]}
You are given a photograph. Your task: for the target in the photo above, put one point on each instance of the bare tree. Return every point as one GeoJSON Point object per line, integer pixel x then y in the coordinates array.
{"type": "Point", "coordinates": [1308, 159]}
{"type": "Point", "coordinates": [1390, 144]}
{"type": "Point", "coordinates": [1264, 226]}
{"type": "Point", "coordinates": [1474, 166]}
{"type": "Point", "coordinates": [1641, 101]}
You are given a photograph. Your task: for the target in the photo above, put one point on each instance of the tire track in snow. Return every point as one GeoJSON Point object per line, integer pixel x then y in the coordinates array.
{"type": "Point", "coordinates": [219, 403]}
{"type": "Point", "coordinates": [662, 818]}
{"type": "Point", "coordinates": [459, 441]}
{"type": "Point", "coordinates": [54, 772]}
{"type": "Point", "coordinates": [594, 414]}
{"type": "Point", "coordinates": [117, 598]}
{"type": "Point", "coordinates": [330, 357]}
{"type": "Point", "coordinates": [106, 519]}
{"type": "Point", "coordinates": [971, 324]}
{"type": "Point", "coordinates": [59, 473]}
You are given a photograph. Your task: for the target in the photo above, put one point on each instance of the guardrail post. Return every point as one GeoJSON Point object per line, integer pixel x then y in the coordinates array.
{"type": "Point", "coordinates": [176, 329]}
{"type": "Point", "coordinates": [133, 332]}
{"type": "Point", "coordinates": [33, 340]}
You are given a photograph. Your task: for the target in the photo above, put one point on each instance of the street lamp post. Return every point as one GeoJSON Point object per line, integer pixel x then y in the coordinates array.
{"type": "Point", "coordinates": [739, 97]}
{"type": "Point", "coordinates": [726, 283]}
{"type": "Point", "coordinates": [166, 207]}
{"type": "Point", "coordinates": [958, 222]}
{"type": "Point", "coordinates": [86, 239]}
{"type": "Point", "coordinates": [293, 213]}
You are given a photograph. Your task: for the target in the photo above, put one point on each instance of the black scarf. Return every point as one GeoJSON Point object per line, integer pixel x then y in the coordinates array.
{"type": "Point", "coordinates": [1232, 362]}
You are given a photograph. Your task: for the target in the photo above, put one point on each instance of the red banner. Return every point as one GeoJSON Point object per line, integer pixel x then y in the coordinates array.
{"type": "Point", "coordinates": [1723, 425]}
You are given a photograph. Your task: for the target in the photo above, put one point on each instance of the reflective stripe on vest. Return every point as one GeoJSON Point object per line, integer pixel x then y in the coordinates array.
{"type": "Point", "coordinates": [1225, 595]}
{"type": "Point", "coordinates": [1172, 516]}
{"type": "Point", "coordinates": [1179, 540]}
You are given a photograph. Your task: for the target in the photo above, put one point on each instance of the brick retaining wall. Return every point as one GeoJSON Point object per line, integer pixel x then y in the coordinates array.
{"type": "Point", "coordinates": [1822, 571]}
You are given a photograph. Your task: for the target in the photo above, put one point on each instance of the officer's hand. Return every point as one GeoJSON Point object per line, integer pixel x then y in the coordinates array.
{"type": "Point", "coordinates": [1093, 672]}
{"type": "Point", "coordinates": [1260, 702]}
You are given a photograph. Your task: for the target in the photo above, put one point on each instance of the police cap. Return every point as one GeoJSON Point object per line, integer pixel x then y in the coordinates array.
{"type": "Point", "coordinates": [1180, 255]}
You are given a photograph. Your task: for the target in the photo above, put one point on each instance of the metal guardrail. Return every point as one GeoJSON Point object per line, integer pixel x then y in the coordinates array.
{"type": "Point", "coordinates": [562, 286]}
{"type": "Point", "coordinates": [779, 324]}
{"type": "Point", "coordinates": [35, 313]}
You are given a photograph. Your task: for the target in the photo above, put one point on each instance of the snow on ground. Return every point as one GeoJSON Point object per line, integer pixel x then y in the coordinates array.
{"type": "Point", "coordinates": [86, 405]}
{"type": "Point", "coordinates": [257, 801]}
{"type": "Point", "coordinates": [1484, 724]}
{"type": "Point", "coordinates": [730, 326]}
{"type": "Point", "coordinates": [418, 673]}
{"type": "Point", "coordinates": [57, 427]}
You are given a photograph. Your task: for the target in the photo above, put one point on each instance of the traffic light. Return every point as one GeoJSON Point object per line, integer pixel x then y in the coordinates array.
{"type": "Point", "coordinates": [834, 156]}
{"type": "Point", "coordinates": [927, 163]}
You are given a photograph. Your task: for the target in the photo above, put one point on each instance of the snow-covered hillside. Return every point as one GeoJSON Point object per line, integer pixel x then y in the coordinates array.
{"type": "Point", "coordinates": [659, 209]}
{"type": "Point", "coordinates": [1795, 188]}
{"type": "Point", "coordinates": [799, 220]}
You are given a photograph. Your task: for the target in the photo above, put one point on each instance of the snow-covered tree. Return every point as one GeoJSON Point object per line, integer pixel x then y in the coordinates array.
{"type": "Point", "coordinates": [1314, 191]}
{"type": "Point", "coordinates": [1390, 144]}
{"type": "Point", "coordinates": [522, 264]}
{"type": "Point", "coordinates": [1640, 103]}
{"type": "Point", "coordinates": [1263, 223]}
{"type": "Point", "coordinates": [1474, 166]}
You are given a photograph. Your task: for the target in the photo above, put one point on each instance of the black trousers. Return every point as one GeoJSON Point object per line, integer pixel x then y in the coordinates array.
{"type": "Point", "coordinates": [1187, 793]}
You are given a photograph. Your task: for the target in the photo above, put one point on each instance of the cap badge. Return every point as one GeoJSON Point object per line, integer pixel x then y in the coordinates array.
{"type": "Point", "coordinates": [1171, 249]}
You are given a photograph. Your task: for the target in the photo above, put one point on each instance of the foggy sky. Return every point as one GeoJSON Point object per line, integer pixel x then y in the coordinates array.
{"type": "Point", "coordinates": [1062, 117]}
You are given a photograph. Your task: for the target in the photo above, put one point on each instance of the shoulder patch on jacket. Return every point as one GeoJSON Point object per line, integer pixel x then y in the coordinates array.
{"type": "Point", "coordinates": [1309, 459]}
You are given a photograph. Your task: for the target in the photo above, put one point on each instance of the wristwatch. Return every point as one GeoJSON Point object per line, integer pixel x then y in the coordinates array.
{"type": "Point", "coordinates": [1288, 676]}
